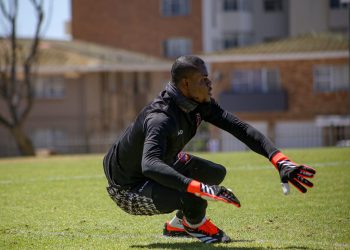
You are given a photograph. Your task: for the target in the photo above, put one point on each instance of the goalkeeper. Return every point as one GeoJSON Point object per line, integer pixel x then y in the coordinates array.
{"type": "Point", "coordinates": [148, 173]}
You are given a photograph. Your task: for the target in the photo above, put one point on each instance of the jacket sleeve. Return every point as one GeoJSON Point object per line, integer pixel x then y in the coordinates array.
{"type": "Point", "coordinates": [247, 134]}
{"type": "Point", "coordinates": [157, 129]}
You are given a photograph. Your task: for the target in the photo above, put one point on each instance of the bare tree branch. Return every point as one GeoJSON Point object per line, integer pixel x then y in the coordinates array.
{"type": "Point", "coordinates": [13, 65]}
{"type": "Point", "coordinates": [31, 57]}
{"type": "Point", "coordinates": [5, 122]}
{"type": "Point", "coordinates": [3, 10]}
{"type": "Point", "coordinates": [4, 64]}
{"type": "Point", "coordinates": [17, 94]}
{"type": "Point", "coordinates": [34, 47]}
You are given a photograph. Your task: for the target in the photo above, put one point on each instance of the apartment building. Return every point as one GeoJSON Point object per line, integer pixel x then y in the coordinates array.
{"type": "Point", "coordinates": [296, 91]}
{"type": "Point", "coordinates": [170, 28]}
{"type": "Point", "coordinates": [235, 23]}
{"type": "Point", "coordinates": [85, 95]}
{"type": "Point", "coordinates": [159, 28]}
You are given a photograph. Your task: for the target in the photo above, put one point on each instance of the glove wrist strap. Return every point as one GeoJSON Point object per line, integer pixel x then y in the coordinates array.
{"type": "Point", "coordinates": [278, 157]}
{"type": "Point", "coordinates": [194, 187]}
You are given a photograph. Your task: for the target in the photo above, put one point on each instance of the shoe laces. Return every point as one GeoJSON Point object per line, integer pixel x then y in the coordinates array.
{"type": "Point", "coordinates": [209, 228]}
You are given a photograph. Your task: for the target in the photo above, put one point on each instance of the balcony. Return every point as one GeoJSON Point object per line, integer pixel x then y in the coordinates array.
{"type": "Point", "coordinates": [254, 102]}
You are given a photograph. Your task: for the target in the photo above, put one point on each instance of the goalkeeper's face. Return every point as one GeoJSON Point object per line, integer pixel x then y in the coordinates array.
{"type": "Point", "coordinates": [199, 86]}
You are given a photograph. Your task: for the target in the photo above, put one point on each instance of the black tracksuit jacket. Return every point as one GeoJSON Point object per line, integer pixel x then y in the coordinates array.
{"type": "Point", "coordinates": [148, 148]}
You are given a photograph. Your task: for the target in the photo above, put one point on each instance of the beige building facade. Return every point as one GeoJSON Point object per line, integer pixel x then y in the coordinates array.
{"type": "Point", "coordinates": [295, 91]}
{"type": "Point", "coordinates": [85, 95]}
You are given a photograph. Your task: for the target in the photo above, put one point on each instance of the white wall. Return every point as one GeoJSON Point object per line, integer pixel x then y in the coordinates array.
{"type": "Point", "coordinates": [307, 16]}
{"type": "Point", "coordinates": [298, 134]}
{"type": "Point", "coordinates": [287, 135]}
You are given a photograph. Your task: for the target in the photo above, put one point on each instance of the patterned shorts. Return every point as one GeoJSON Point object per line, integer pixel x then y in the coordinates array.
{"type": "Point", "coordinates": [131, 202]}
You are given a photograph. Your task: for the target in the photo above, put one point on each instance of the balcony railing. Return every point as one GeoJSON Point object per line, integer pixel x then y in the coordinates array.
{"type": "Point", "coordinates": [254, 102]}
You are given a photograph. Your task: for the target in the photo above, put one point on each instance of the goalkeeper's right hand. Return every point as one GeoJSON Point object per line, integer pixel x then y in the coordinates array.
{"type": "Point", "coordinates": [213, 192]}
{"type": "Point", "coordinates": [294, 173]}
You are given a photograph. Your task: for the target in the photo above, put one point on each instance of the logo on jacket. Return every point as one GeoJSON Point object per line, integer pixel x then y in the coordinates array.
{"type": "Point", "coordinates": [183, 157]}
{"type": "Point", "coordinates": [180, 132]}
{"type": "Point", "coordinates": [198, 119]}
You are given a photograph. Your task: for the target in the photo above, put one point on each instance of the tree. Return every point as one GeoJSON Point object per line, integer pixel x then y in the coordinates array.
{"type": "Point", "coordinates": [16, 73]}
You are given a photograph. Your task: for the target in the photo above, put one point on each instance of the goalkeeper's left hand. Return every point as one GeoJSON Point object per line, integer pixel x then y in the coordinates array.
{"type": "Point", "coordinates": [213, 192]}
{"type": "Point", "coordinates": [293, 173]}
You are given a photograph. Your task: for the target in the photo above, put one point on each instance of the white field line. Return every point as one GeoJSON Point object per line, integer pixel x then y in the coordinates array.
{"type": "Point", "coordinates": [233, 168]}
{"type": "Point", "coordinates": [311, 164]}
{"type": "Point", "coordinates": [70, 234]}
{"type": "Point", "coordinates": [53, 178]}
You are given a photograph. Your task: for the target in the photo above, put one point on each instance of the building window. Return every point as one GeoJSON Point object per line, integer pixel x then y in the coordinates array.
{"type": "Point", "coordinates": [176, 47]}
{"type": "Point", "coordinates": [236, 5]}
{"type": "Point", "coordinates": [331, 78]}
{"type": "Point", "coordinates": [230, 5]}
{"type": "Point", "coordinates": [175, 7]}
{"type": "Point", "coordinates": [48, 138]}
{"type": "Point", "coordinates": [272, 5]}
{"type": "Point", "coordinates": [338, 4]}
{"type": "Point", "coordinates": [236, 40]}
{"type": "Point", "coordinates": [271, 39]}
{"type": "Point", "coordinates": [49, 87]}
{"type": "Point", "coordinates": [256, 80]}
{"type": "Point", "coordinates": [230, 42]}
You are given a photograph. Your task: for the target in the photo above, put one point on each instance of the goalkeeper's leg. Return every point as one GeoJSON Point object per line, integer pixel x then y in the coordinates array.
{"type": "Point", "coordinates": [193, 221]}
{"type": "Point", "coordinates": [198, 169]}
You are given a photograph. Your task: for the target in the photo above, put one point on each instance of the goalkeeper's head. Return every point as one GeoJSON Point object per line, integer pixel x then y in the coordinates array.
{"type": "Point", "coordinates": [189, 74]}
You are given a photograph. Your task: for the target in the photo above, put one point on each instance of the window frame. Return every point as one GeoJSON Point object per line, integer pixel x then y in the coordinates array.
{"type": "Point", "coordinates": [46, 137]}
{"type": "Point", "coordinates": [49, 87]}
{"type": "Point", "coordinates": [273, 5]}
{"type": "Point", "coordinates": [236, 5]}
{"type": "Point", "coordinates": [173, 8]}
{"type": "Point", "coordinates": [326, 82]}
{"type": "Point", "coordinates": [170, 50]}
{"type": "Point", "coordinates": [337, 4]}
{"type": "Point", "coordinates": [236, 40]}
{"type": "Point", "coordinates": [255, 81]}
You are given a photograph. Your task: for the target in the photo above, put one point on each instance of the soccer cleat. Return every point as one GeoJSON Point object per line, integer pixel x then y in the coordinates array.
{"type": "Point", "coordinates": [207, 232]}
{"type": "Point", "coordinates": [172, 231]}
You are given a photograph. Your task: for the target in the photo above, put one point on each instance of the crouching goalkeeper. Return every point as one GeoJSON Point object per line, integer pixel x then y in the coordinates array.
{"type": "Point", "coordinates": [148, 173]}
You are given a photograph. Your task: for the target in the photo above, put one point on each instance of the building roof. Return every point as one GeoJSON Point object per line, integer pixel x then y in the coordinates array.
{"type": "Point", "coordinates": [312, 45]}
{"type": "Point", "coordinates": [61, 56]}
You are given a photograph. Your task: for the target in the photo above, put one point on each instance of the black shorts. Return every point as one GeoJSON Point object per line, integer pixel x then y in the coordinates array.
{"type": "Point", "coordinates": [151, 198]}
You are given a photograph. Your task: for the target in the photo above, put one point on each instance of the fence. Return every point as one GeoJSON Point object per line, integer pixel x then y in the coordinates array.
{"type": "Point", "coordinates": [301, 136]}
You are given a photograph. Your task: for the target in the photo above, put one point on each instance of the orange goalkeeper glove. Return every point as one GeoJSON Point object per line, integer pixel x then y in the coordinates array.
{"type": "Point", "coordinates": [293, 173]}
{"type": "Point", "coordinates": [213, 192]}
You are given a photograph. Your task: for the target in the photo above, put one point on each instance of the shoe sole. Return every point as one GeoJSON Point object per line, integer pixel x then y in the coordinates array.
{"type": "Point", "coordinates": [205, 238]}
{"type": "Point", "coordinates": [176, 234]}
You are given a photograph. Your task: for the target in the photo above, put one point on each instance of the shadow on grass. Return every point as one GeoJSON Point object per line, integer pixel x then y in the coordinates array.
{"type": "Point", "coordinates": [199, 245]}
{"type": "Point", "coordinates": [192, 245]}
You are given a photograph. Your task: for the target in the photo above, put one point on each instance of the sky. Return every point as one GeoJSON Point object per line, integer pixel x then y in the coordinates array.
{"type": "Point", "coordinates": [57, 12]}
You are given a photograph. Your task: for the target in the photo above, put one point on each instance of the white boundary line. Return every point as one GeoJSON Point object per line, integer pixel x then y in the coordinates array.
{"type": "Point", "coordinates": [53, 178]}
{"type": "Point", "coordinates": [70, 233]}
{"type": "Point", "coordinates": [233, 168]}
{"type": "Point", "coordinates": [312, 164]}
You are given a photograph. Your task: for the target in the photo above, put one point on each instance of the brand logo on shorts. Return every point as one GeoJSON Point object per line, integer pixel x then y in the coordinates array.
{"type": "Point", "coordinates": [198, 119]}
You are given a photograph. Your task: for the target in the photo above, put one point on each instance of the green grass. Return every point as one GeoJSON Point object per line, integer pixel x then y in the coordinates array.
{"type": "Point", "coordinates": [60, 202]}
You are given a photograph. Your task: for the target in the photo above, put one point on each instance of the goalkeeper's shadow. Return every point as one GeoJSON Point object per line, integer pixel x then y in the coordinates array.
{"type": "Point", "coordinates": [195, 245]}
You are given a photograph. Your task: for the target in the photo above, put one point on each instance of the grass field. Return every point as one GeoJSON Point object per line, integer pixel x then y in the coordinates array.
{"type": "Point", "coordinates": [60, 202]}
